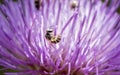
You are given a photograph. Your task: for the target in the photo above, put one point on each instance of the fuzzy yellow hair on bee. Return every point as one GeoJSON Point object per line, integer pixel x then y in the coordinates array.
{"type": "Point", "coordinates": [55, 39]}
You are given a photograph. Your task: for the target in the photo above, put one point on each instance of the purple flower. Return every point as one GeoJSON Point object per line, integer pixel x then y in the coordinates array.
{"type": "Point", "coordinates": [60, 37]}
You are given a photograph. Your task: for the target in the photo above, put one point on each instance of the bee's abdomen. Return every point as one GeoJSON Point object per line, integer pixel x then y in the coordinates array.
{"type": "Point", "coordinates": [55, 39]}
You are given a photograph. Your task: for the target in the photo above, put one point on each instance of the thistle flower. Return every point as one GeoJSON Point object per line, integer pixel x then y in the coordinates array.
{"type": "Point", "coordinates": [88, 44]}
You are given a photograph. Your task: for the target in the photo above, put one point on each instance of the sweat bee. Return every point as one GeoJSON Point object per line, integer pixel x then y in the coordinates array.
{"type": "Point", "coordinates": [50, 36]}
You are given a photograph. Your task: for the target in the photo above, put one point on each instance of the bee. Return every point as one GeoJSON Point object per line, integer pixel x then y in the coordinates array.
{"type": "Point", "coordinates": [74, 4]}
{"type": "Point", "coordinates": [50, 36]}
{"type": "Point", "coordinates": [38, 4]}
